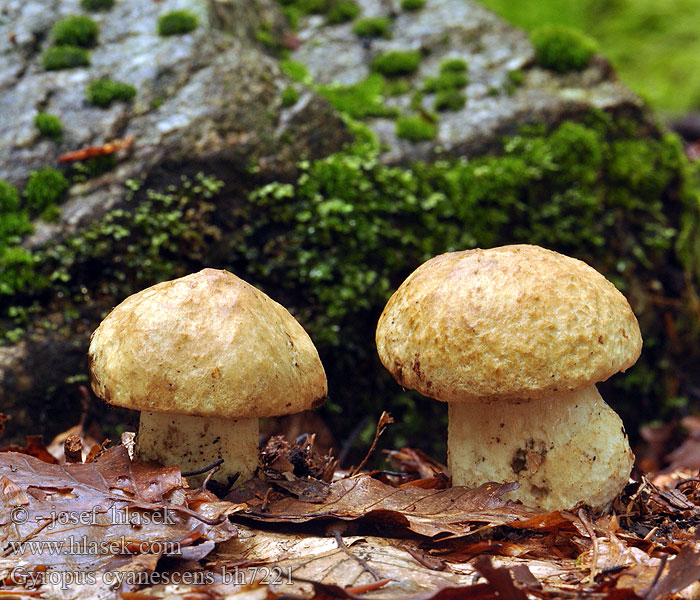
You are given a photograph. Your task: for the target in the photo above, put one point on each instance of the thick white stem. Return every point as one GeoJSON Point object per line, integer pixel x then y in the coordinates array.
{"type": "Point", "coordinates": [563, 449]}
{"type": "Point", "coordinates": [193, 443]}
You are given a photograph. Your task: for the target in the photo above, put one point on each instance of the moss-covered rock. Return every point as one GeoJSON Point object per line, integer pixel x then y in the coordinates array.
{"type": "Point", "coordinates": [350, 229]}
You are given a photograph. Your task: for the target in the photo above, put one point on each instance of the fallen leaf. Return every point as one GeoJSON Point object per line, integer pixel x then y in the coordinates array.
{"type": "Point", "coordinates": [456, 511]}
{"type": "Point", "coordinates": [90, 516]}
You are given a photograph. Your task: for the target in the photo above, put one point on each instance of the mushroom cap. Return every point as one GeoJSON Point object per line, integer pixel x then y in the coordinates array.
{"type": "Point", "coordinates": [208, 344]}
{"type": "Point", "coordinates": [510, 323]}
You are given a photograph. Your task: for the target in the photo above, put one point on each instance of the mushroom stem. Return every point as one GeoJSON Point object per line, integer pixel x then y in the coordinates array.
{"type": "Point", "coordinates": [192, 442]}
{"type": "Point", "coordinates": [563, 449]}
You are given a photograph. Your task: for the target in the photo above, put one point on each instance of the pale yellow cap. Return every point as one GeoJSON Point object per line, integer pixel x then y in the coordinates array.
{"type": "Point", "coordinates": [208, 344]}
{"type": "Point", "coordinates": [515, 322]}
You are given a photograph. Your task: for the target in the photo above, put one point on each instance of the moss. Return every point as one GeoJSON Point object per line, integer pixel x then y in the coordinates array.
{"type": "Point", "coordinates": [92, 167]}
{"type": "Point", "coordinates": [79, 30]}
{"type": "Point", "coordinates": [295, 70]}
{"type": "Point", "coordinates": [290, 96]}
{"type": "Point", "coordinates": [342, 11]}
{"type": "Point", "coordinates": [449, 80]}
{"type": "Point", "coordinates": [96, 5]}
{"type": "Point", "coordinates": [396, 87]}
{"type": "Point", "coordinates": [123, 252]}
{"type": "Point", "coordinates": [561, 48]}
{"type": "Point", "coordinates": [44, 188]}
{"type": "Point", "coordinates": [360, 100]}
{"type": "Point", "coordinates": [9, 197]}
{"type": "Point", "coordinates": [449, 100]}
{"type": "Point", "coordinates": [65, 57]}
{"type": "Point", "coordinates": [373, 27]}
{"type": "Point", "coordinates": [51, 214]}
{"type": "Point", "coordinates": [411, 5]}
{"type": "Point", "coordinates": [105, 91]}
{"type": "Point", "coordinates": [17, 270]}
{"type": "Point", "coordinates": [48, 125]}
{"type": "Point", "coordinates": [176, 22]}
{"type": "Point", "coordinates": [415, 128]}
{"type": "Point", "coordinates": [397, 62]}
{"type": "Point", "coordinates": [14, 221]}
{"type": "Point", "coordinates": [454, 65]}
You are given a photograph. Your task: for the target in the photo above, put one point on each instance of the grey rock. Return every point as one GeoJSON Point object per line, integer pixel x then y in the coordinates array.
{"type": "Point", "coordinates": [491, 47]}
{"type": "Point", "coordinates": [211, 94]}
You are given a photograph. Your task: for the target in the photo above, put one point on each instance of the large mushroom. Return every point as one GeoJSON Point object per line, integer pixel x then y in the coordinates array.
{"type": "Point", "coordinates": [515, 339]}
{"type": "Point", "coordinates": [203, 357]}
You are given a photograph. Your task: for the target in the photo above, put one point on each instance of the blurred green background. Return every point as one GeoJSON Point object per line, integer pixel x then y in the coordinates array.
{"type": "Point", "coordinates": [653, 44]}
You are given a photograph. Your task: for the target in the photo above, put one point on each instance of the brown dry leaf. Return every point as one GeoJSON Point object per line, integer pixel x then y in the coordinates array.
{"type": "Point", "coordinates": [97, 516]}
{"type": "Point", "coordinates": [34, 447]}
{"type": "Point", "coordinates": [456, 511]}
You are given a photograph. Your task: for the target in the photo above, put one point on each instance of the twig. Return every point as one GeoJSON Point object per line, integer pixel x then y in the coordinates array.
{"type": "Point", "coordinates": [591, 532]}
{"type": "Point", "coordinates": [363, 563]}
{"type": "Point", "coordinates": [368, 587]}
{"type": "Point", "coordinates": [657, 576]}
{"type": "Point", "coordinates": [73, 449]}
{"type": "Point", "coordinates": [384, 420]}
{"type": "Point", "coordinates": [213, 465]}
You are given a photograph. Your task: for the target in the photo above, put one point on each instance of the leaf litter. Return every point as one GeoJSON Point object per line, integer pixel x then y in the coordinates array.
{"type": "Point", "coordinates": [299, 531]}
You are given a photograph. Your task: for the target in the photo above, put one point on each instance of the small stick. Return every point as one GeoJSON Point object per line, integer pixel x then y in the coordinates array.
{"type": "Point", "coordinates": [73, 449]}
{"type": "Point", "coordinates": [361, 589]}
{"type": "Point", "coordinates": [363, 563]}
{"type": "Point", "coordinates": [591, 532]}
{"type": "Point", "coordinates": [657, 576]}
{"type": "Point", "coordinates": [384, 420]}
{"type": "Point", "coordinates": [203, 470]}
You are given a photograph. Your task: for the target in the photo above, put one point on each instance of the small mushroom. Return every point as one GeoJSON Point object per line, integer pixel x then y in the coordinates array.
{"type": "Point", "coordinates": [203, 357]}
{"type": "Point", "coordinates": [515, 338]}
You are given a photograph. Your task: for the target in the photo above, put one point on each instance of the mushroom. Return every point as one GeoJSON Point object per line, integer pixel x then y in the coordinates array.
{"type": "Point", "coordinates": [202, 357]}
{"type": "Point", "coordinates": [515, 339]}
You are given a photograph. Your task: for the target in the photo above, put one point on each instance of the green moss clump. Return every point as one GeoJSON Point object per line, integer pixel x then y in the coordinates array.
{"type": "Point", "coordinates": [415, 128]}
{"type": "Point", "coordinates": [48, 125]}
{"type": "Point", "coordinates": [290, 96]}
{"type": "Point", "coordinates": [373, 27]}
{"type": "Point", "coordinates": [80, 31]}
{"type": "Point", "coordinates": [397, 62]}
{"type": "Point", "coordinates": [449, 100]}
{"type": "Point", "coordinates": [105, 91]}
{"type": "Point", "coordinates": [14, 221]}
{"type": "Point", "coordinates": [65, 57]}
{"type": "Point", "coordinates": [396, 87]}
{"type": "Point", "coordinates": [412, 4]}
{"type": "Point", "coordinates": [17, 270]}
{"type": "Point", "coordinates": [454, 65]}
{"type": "Point", "coordinates": [342, 11]}
{"type": "Point", "coordinates": [44, 188]}
{"type": "Point", "coordinates": [9, 197]}
{"type": "Point", "coordinates": [360, 100]}
{"type": "Point", "coordinates": [449, 80]}
{"type": "Point", "coordinates": [295, 70]}
{"type": "Point", "coordinates": [96, 5]}
{"type": "Point", "coordinates": [177, 22]}
{"type": "Point", "coordinates": [562, 48]}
